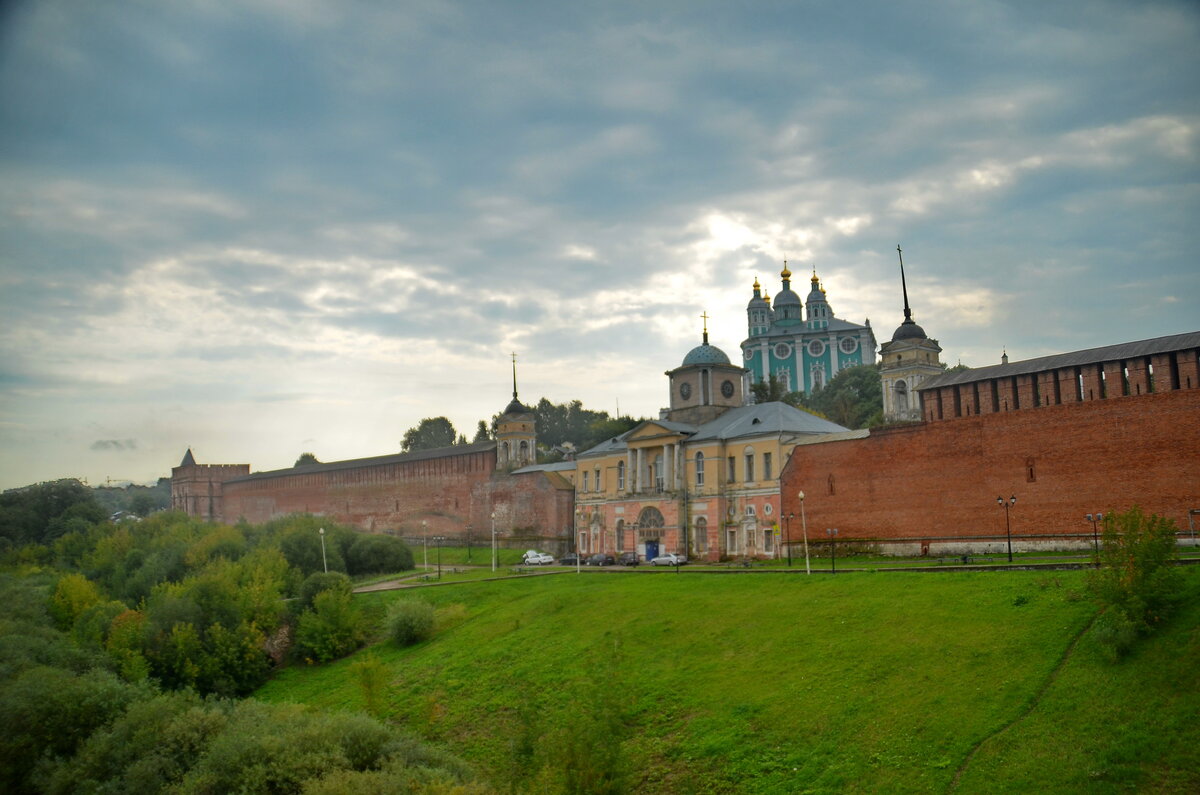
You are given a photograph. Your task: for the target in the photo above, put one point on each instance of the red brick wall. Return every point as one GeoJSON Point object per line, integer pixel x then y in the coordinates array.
{"type": "Point", "coordinates": [942, 478]}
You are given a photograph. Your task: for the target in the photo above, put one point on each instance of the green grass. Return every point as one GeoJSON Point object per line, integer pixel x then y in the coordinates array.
{"type": "Point", "coordinates": [784, 683]}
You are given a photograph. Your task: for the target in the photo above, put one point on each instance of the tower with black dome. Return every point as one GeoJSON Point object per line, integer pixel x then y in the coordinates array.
{"type": "Point", "coordinates": [908, 359]}
{"type": "Point", "coordinates": [516, 432]}
{"type": "Point", "coordinates": [799, 342]}
{"type": "Point", "coordinates": [705, 386]}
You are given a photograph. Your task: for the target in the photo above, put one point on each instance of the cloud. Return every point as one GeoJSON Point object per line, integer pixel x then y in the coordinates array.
{"type": "Point", "coordinates": [114, 445]}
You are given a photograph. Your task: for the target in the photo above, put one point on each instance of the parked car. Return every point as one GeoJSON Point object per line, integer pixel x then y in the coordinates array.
{"type": "Point", "coordinates": [601, 559]}
{"type": "Point", "coordinates": [569, 559]}
{"type": "Point", "coordinates": [535, 558]}
{"type": "Point", "coordinates": [669, 559]}
{"type": "Point", "coordinates": [628, 559]}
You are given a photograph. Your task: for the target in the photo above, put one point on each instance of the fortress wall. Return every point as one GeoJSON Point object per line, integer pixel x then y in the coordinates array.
{"type": "Point", "coordinates": [1060, 461]}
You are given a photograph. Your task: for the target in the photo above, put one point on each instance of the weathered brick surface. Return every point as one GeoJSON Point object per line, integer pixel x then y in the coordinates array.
{"type": "Point", "coordinates": [941, 479]}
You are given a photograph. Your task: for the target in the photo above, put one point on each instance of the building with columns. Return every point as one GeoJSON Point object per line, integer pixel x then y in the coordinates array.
{"type": "Point", "coordinates": [804, 352]}
{"type": "Point", "coordinates": [703, 479]}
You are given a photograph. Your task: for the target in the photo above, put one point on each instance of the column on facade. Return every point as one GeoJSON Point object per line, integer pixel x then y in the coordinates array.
{"type": "Point", "coordinates": [640, 483]}
{"type": "Point", "coordinates": [834, 353]}
{"type": "Point", "coordinates": [630, 470]}
{"type": "Point", "coordinates": [668, 474]}
{"type": "Point", "coordinates": [680, 469]}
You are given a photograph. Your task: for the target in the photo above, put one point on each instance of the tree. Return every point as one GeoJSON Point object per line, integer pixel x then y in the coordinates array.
{"type": "Point", "coordinates": [332, 629]}
{"type": "Point", "coordinates": [430, 434]}
{"type": "Point", "coordinates": [481, 432]}
{"type": "Point", "coordinates": [305, 459]}
{"type": "Point", "coordinates": [851, 397]}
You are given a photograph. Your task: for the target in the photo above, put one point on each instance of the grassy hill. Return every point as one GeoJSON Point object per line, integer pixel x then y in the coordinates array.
{"type": "Point", "coordinates": [865, 682]}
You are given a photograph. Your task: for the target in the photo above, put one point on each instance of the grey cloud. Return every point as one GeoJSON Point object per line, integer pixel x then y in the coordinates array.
{"type": "Point", "coordinates": [115, 445]}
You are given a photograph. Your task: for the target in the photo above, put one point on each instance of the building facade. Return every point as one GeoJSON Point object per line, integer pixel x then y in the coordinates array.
{"type": "Point", "coordinates": [803, 345]}
{"type": "Point", "coordinates": [703, 480]}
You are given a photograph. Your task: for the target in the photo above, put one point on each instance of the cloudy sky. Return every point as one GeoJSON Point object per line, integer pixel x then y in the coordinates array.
{"type": "Point", "coordinates": [263, 228]}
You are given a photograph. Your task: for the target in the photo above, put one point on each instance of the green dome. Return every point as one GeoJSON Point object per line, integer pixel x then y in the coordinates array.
{"type": "Point", "coordinates": [705, 354]}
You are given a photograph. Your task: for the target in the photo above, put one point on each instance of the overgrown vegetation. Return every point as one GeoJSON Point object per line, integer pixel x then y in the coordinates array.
{"type": "Point", "coordinates": [852, 398]}
{"type": "Point", "coordinates": [1134, 581]}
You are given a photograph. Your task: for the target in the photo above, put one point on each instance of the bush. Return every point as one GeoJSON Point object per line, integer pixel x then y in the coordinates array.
{"type": "Point", "coordinates": [371, 554]}
{"type": "Point", "coordinates": [410, 621]}
{"type": "Point", "coordinates": [1134, 582]}
{"type": "Point", "coordinates": [332, 629]}
{"type": "Point", "coordinates": [318, 583]}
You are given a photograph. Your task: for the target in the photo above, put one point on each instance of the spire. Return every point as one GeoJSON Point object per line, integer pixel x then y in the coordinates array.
{"type": "Point", "coordinates": [188, 460]}
{"type": "Point", "coordinates": [904, 286]}
{"type": "Point", "coordinates": [514, 358]}
{"type": "Point", "coordinates": [515, 406]}
{"type": "Point", "coordinates": [704, 315]}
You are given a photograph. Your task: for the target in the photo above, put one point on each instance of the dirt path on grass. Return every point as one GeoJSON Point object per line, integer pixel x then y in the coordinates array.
{"type": "Point", "coordinates": [1033, 703]}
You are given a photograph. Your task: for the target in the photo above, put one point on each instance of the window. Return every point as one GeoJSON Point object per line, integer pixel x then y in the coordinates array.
{"type": "Point", "coordinates": [701, 534]}
{"type": "Point", "coordinates": [730, 475]}
{"type": "Point", "coordinates": [832, 487]}
{"type": "Point", "coordinates": [818, 378]}
{"type": "Point", "coordinates": [620, 476]}
{"type": "Point", "coordinates": [585, 482]}
{"type": "Point", "coordinates": [766, 466]}
{"type": "Point", "coordinates": [1030, 474]}
{"type": "Point", "coordinates": [596, 481]}
{"type": "Point", "coordinates": [658, 473]}
{"type": "Point", "coordinates": [768, 540]}
{"type": "Point", "coordinates": [768, 509]}
{"type": "Point", "coordinates": [699, 469]}
{"type": "Point", "coordinates": [620, 535]}
{"type": "Point", "coordinates": [750, 510]}
{"type": "Point", "coordinates": [749, 467]}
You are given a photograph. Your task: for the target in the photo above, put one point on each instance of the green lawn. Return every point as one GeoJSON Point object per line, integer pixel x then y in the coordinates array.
{"type": "Point", "coordinates": [865, 682]}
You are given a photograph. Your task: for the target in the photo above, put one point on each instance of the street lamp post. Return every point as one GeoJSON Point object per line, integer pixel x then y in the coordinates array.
{"type": "Point", "coordinates": [468, 542]}
{"type": "Point", "coordinates": [1007, 522]}
{"type": "Point", "coordinates": [1094, 518]}
{"type": "Point", "coordinates": [787, 526]}
{"type": "Point", "coordinates": [832, 533]}
{"type": "Point", "coordinates": [425, 541]}
{"type": "Point", "coordinates": [579, 514]}
{"type": "Point", "coordinates": [324, 562]}
{"type": "Point", "coordinates": [493, 540]}
{"type": "Point", "coordinates": [438, 540]}
{"type": "Point", "coordinates": [804, 522]}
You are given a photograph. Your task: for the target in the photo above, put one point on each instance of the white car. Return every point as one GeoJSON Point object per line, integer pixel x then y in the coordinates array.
{"type": "Point", "coordinates": [535, 558]}
{"type": "Point", "coordinates": [669, 559]}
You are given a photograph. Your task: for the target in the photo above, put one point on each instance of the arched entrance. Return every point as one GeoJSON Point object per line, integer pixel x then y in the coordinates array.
{"type": "Point", "coordinates": [650, 524]}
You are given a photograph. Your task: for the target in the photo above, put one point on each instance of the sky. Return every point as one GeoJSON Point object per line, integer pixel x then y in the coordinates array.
{"type": "Point", "coordinates": [270, 227]}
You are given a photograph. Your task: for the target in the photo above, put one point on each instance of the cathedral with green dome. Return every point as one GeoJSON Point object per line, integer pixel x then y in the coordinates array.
{"type": "Point", "coordinates": [802, 344]}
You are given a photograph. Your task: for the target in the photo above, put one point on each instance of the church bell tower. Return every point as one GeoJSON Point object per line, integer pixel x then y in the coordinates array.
{"type": "Point", "coordinates": [516, 432]}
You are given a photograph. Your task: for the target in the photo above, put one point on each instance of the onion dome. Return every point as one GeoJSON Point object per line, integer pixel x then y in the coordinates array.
{"type": "Point", "coordinates": [758, 301]}
{"type": "Point", "coordinates": [909, 330]}
{"type": "Point", "coordinates": [515, 407]}
{"type": "Point", "coordinates": [786, 297]}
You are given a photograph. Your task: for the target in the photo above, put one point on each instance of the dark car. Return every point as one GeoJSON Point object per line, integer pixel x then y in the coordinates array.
{"type": "Point", "coordinates": [628, 559]}
{"type": "Point", "coordinates": [601, 559]}
{"type": "Point", "coordinates": [569, 559]}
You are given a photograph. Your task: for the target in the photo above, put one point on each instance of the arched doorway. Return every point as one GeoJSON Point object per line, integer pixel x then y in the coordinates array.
{"type": "Point", "coordinates": [650, 524]}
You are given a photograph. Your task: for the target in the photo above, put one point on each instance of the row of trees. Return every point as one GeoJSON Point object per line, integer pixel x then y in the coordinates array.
{"type": "Point", "coordinates": [560, 427]}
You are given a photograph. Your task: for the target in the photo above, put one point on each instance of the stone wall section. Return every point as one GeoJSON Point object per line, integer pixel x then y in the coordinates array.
{"type": "Point", "coordinates": [941, 479]}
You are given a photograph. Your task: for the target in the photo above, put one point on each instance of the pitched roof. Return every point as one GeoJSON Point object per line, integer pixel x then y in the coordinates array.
{"type": "Point", "coordinates": [381, 460]}
{"type": "Point", "coordinates": [1108, 353]}
{"type": "Point", "coordinates": [188, 461]}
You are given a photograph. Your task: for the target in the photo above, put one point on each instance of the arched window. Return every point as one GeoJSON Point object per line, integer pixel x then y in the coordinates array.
{"type": "Point", "coordinates": [748, 456]}
{"type": "Point", "coordinates": [701, 534]}
{"type": "Point", "coordinates": [620, 476]}
{"type": "Point", "coordinates": [620, 535]}
{"type": "Point", "coordinates": [650, 517]}
{"type": "Point", "coordinates": [524, 452]}
{"type": "Point", "coordinates": [504, 452]}
{"type": "Point", "coordinates": [901, 397]}
{"type": "Point", "coordinates": [699, 469]}
{"type": "Point", "coordinates": [658, 472]}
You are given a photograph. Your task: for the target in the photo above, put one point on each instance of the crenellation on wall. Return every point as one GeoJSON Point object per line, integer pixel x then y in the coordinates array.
{"type": "Point", "coordinates": [941, 479]}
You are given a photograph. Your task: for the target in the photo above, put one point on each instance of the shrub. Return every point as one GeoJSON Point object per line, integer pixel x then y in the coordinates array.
{"type": "Point", "coordinates": [370, 554]}
{"type": "Point", "coordinates": [332, 629]}
{"type": "Point", "coordinates": [410, 621]}
{"type": "Point", "coordinates": [1134, 581]}
{"type": "Point", "coordinates": [319, 582]}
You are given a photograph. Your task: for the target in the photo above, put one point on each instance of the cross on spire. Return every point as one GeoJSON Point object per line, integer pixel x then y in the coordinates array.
{"type": "Point", "coordinates": [704, 315]}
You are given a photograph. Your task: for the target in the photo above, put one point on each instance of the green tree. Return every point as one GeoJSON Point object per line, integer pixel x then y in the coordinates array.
{"type": "Point", "coordinates": [371, 553]}
{"type": "Point", "coordinates": [430, 434]}
{"type": "Point", "coordinates": [851, 398]}
{"type": "Point", "coordinates": [481, 432]}
{"type": "Point", "coordinates": [410, 621]}
{"type": "Point", "coordinates": [73, 595]}
{"type": "Point", "coordinates": [305, 459]}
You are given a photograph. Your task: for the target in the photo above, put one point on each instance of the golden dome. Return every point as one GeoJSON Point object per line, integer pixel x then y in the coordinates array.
{"type": "Point", "coordinates": [785, 273]}
{"type": "Point", "coordinates": [756, 284]}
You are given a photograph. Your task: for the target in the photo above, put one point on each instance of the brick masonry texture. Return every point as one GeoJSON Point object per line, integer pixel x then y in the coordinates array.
{"type": "Point", "coordinates": [941, 479]}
